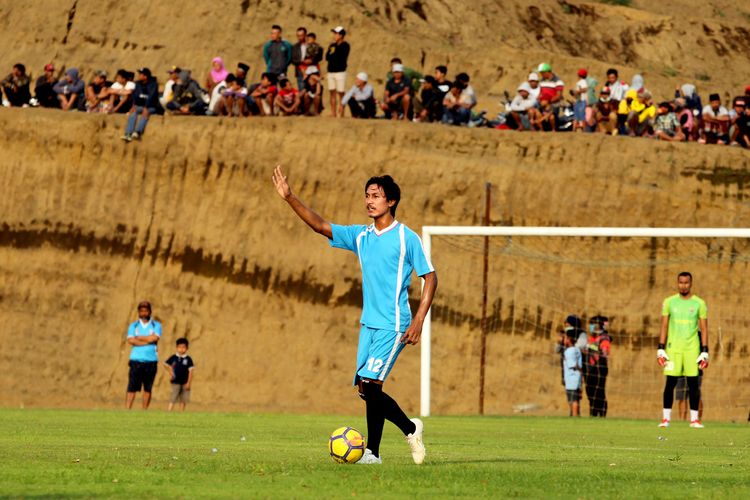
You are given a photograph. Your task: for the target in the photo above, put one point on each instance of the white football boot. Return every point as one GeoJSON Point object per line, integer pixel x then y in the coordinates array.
{"type": "Point", "coordinates": [415, 442]}
{"type": "Point", "coordinates": [664, 423]}
{"type": "Point", "coordinates": [369, 458]}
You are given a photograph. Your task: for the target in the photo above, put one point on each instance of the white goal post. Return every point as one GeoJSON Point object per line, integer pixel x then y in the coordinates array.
{"type": "Point", "coordinates": [616, 232]}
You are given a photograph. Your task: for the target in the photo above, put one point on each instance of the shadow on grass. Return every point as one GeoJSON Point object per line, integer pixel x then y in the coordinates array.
{"type": "Point", "coordinates": [497, 460]}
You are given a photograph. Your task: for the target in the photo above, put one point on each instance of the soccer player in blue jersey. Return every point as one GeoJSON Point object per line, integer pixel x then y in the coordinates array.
{"type": "Point", "coordinates": [388, 252]}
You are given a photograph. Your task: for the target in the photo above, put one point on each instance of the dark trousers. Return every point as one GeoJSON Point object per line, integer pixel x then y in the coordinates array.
{"type": "Point", "coordinates": [694, 391]}
{"type": "Point", "coordinates": [362, 109]}
{"type": "Point", "coordinates": [596, 381]}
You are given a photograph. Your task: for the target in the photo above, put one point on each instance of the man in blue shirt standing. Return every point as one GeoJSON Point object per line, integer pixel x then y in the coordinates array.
{"type": "Point", "coordinates": [388, 252]}
{"type": "Point", "coordinates": [143, 335]}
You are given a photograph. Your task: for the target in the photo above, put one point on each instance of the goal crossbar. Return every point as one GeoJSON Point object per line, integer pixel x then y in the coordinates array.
{"type": "Point", "coordinates": [605, 232]}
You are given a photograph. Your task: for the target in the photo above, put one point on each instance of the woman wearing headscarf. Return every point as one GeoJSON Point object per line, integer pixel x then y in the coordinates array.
{"type": "Point", "coordinates": [217, 74]}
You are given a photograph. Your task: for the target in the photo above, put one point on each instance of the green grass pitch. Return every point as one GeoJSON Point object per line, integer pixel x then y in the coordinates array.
{"type": "Point", "coordinates": [59, 453]}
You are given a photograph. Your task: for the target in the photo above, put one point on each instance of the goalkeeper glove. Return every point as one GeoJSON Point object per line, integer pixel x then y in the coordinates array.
{"type": "Point", "coordinates": [661, 356]}
{"type": "Point", "coordinates": [703, 358]}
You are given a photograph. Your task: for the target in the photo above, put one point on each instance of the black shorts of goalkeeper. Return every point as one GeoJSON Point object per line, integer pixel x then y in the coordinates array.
{"type": "Point", "coordinates": [573, 396]}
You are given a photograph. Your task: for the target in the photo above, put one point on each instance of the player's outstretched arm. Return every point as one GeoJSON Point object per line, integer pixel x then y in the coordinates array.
{"type": "Point", "coordinates": [414, 332]}
{"type": "Point", "coordinates": [311, 218]}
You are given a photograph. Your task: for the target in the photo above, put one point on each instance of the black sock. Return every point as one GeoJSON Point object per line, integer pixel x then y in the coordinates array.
{"type": "Point", "coordinates": [375, 419]}
{"type": "Point", "coordinates": [395, 414]}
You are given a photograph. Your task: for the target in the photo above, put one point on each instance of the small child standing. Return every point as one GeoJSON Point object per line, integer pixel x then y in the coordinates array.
{"type": "Point", "coordinates": [181, 368]}
{"type": "Point", "coordinates": [572, 368]}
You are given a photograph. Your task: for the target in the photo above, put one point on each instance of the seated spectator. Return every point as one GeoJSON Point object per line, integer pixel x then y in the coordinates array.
{"type": "Point", "coordinates": [628, 108]}
{"type": "Point", "coordinates": [605, 113]}
{"type": "Point", "coordinates": [397, 99]}
{"type": "Point", "coordinates": [44, 92]}
{"type": "Point", "coordinates": [443, 84]}
{"type": "Point", "coordinates": [686, 119]}
{"type": "Point", "coordinates": [637, 82]}
{"type": "Point", "coordinates": [216, 94]}
{"type": "Point", "coordinates": [468, 97]}
{"type": "Point", "coordinates": [97, 92]}
{"type": "Point", "coordinates": [70, 90]}
{"type": "Point", "coordinates": [411, 74]}
{"type": "Point", "coordinates": [743, 125]}
{"type": "Point", "coordinates": [692, 99]}
{"type": "Point", "coordinates": [16, 87]}
{"type": "Point", "coordinates": [518, 117]}
{"type": "Point", "coordinates": [360, 99]}
{"type": "Point", "coordinates": [454, 113]}
{"type": "Point", "coordinates": [550, 87]}
{"type": "Point", "coordinates": [217, 74]}
{"type": "Point", "coordinates": [241, 74]}
{"type": "Point", "coordinates": [737, 111]}
{"type": "Point", "coordinates": [188, 96]}
{"type": "Point", "coordinates": [430, 104]}
{"type": "Point", "coordinates": [312, 92]}
{"type": "Point", "coordinates": [145, 104]}
{"type": "Point", "coordinates": [666, 125]}
{"type": "Point", "coordinates": [641, 122]}
{"type": "Point", "coordinates": [533, 81]}
{"type": "Point", "coordinates": [263, 95]}
{"type": "Point", "coordinates": [543, 118]}
{"type": "Point", "coordinates": [287, 101]}
{"type": "Point", "coordinates": [617, 87]}
{"type": "Point", "coordinates": [715, 122]}
{"type": "Point", "coordinates": [168, 94]}
{"type": "Point", "coordinates": [121, 92]}
{"type": "Point", "coordinates": [233, 100]}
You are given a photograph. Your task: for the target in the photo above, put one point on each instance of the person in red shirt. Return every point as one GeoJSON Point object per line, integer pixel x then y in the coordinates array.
{"type": "Point", "coordinates": [287, 100]}
{"type": "Point", "coordinates": [596, 370]}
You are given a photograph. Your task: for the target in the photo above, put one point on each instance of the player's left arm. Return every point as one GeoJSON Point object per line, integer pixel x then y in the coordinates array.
{"type": "Point", "coordinates": [414, 332]}
{"type": "Point", "coordinates": [703, 325]}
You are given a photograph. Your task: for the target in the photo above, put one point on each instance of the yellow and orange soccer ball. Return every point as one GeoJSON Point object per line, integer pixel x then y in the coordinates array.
{"type": "Point", "coordinates": [346, 445]}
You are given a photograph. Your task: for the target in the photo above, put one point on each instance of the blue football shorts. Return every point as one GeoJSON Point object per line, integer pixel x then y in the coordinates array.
{"type": "Point", "coordinates": [377, 353]}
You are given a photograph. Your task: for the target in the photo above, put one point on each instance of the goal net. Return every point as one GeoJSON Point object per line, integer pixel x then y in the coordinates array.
{"type": "Point", "coordinates": [538, 276]}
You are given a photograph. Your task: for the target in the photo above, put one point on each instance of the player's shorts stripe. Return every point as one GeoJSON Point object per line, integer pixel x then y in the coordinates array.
{"type": "Point", "coordinates": [388, 362]}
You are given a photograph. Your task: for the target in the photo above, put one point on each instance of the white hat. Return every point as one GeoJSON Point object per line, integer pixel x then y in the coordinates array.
{"type": "Point", "coordinates": [524, 86]}
{"type": "Point", "coordinates": [533, 77]}
{"type": "Point", "coordinates": [311, 70]}
{"type": "Point", "coordinates": [362, 76]}
{"type": "Point", "coordinates": [339, 29]}
{"type": "Point", "coordinates": [398, 68]}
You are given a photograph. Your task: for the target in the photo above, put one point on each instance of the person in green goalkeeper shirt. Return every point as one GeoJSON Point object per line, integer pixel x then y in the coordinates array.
{"type": "Point", "coordinates": [683, 346]}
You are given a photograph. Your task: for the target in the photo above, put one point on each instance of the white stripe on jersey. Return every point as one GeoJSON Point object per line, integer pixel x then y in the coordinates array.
{"type": "Point", "coordinates": [359, 238]}
{"type": "Point", "coordinates": [400, 273]}
{"type": "Point", "coordinates": [426, 257]}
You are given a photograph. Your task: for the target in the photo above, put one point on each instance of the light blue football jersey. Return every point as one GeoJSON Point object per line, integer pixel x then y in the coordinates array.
{"type": "Point", "coordinates": [144, 353]}
{"type": "Point", "coordinates": [387, 259]}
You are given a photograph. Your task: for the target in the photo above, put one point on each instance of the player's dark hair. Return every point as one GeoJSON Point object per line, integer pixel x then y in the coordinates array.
{"type": "Point", "coordinates": [685, 273]}
{"type": "Point", "coordinates": [396, 60]}
{"type": "Point", "coordinates": [183, 341]}
{"type": "Point", "coordinates": [276, 27]}
{"type": "Point", "coordinates": [442, 69]}
{"type": "Point", "coordinates": [612, 71]}
{"type": "Point", "coordinates": [390, 188]}
{"type": "Point", "coordinates": [462, 77]}
{"type": "Point", "coordinates": [302, 28]}
{"type": "Point", "coordinates": [312, 35]}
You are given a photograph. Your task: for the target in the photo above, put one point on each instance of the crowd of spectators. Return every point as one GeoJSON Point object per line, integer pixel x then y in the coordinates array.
{"type": "Point", "coordinates": [292, 84]}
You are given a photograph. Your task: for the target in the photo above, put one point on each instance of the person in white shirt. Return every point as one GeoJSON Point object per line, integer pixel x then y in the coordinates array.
{"type": "Point", "coordinates": [520, 106]}
{"type": "Point", "coordinates": [360, 99]}
{"type": "Point", "coordinates": [120, 92]}
{"type": "Point", "coordinates": [533, 81]}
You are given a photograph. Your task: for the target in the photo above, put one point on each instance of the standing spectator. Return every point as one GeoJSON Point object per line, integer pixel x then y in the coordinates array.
{"type": "Point", "coordinates": [312, 92]}
{"type": "Point", "coordinates": [453, 112]}
{"type": "Point", "coordinates": [188, 96]}
{"type": "Point", "coordinates": [217, 74]}
{"type": "Point", "coordinates": [571, 329]}
{"type": "Point", "coordinates": [715, 121]}
{"type": "Point", "coordinates": [180, 367]}
{"type": "Point", "coordinates": [168, 94]}
{"type": "Point", "coordinates": [605, 113]}
{"type": "Point", "coordinates": [430, 103]}
{"type": "Point", "coordinates": [44, 91]}
{"type": "Point", "coordinates": [581, 93]}
{"type": "Point", "coordinates": [617, 87]}
{"type": "Point", "coordinates": [533, 81]}
{"type": "Point", "coordinates": [572, 365]}
{"type": "Point", "coordinates": [16, 87]}
{"type": "Point", "coordinates": [337, 56]}
{"type": "Point", "coordinates": [597, 356]}
{"type": "Point", "coordinates": [550, 87]}
{"type": "Point", "coordinates": [287, 101]}
{"type": "Point", "coordinates": [666, 126]}
{"type": "Point", "coordinates": [145, 104]}
{"type": "Point", "coordinates": [314, 52]}
{"type": "Point", "coordinates": [97, 92]}
{"type": "Point", "coordinates": [299, 54]}
{"type": "Point", "coordinates": [143, 336]}
{"type": "Point", "coordinates": [277, 53]}
{"type": "Point", "coordinates": [263, 95]}
{"type": "Point", "coordinates": [360, 99]}
{"type": "Point", "coordinates": [397, 100]}
{"type": "Point", "coordinates": [70, 90]}
{"type": "Point", "coordinates": [121, 92]}
{"type": "Point", "coordinates": [518, 117]}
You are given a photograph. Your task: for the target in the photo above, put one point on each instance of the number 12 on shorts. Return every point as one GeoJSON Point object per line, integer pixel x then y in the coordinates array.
{"type": "Point", "coordinates": [374, 365]}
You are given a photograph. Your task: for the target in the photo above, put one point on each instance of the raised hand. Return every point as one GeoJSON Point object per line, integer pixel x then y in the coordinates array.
{"type": "Point", "coordinates": [279, 181]}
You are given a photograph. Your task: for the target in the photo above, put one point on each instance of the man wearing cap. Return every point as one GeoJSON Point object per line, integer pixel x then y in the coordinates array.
{"type": "Point", "coordinates": [518, 118]}
{"type": "Point", "coordinates": [44, 92]}
{"type": "Point", "coordinates": [145, 104]}
{"type": "Point", "coordinates": [312, 92]}
{"type": "Point", "coordinates": [716, 122]}
{"type": "Point", "coordinates": [360, 99]}
{"type": "Point", "coordinates": [597, 353]}
{"type": "Point", "coordinates": [533, 81]}
{"type": "Point", "coordinates": [143, 336]}
{"type": "Point", "coordinates": [69, 90]}
{"type": "Point", "coordinates": [550, 87]}
{"type": "Point", "coordinates": [397, 97]}
{"type": "Point", "coordinates": [172, 76]}
{"type": "Point", "coordinates": [97, 91]}
{"type": "Point", "coordinates": [337, 57]}
{"type": "Point", "coordinates": [277, 52]}
{"type": "Point", "coordinates": [16, 87]}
